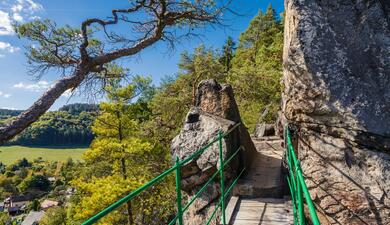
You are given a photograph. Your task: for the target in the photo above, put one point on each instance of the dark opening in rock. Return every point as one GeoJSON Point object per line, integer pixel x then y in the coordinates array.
{"type": "Point", "coordinates": [192, 118]}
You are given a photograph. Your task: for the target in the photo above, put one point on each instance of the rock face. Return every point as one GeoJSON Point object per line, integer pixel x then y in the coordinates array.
{"type": "Point", "coordinates": [264, 129]}
{"type": "Point", "coordinates": [337, 93]}
{"type": "Point", "coordinates": [215, 110]}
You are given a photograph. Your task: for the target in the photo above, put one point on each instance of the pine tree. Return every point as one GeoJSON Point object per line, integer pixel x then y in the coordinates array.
{"type": "Point", "coordinates": [257, 68]}
{"type": "Point", "coordinates": [118, 157]}
{"type": "Point", "coordinates": [228, 53]}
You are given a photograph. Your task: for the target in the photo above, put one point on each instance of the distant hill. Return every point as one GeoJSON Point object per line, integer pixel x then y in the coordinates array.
{"type": "Point", "coordinates": [7, 113]}
{"type": "Point", "coordinates": [77, 108]}
{"type": "Point", "coordinates": [10, 112]}
{"type": "Point", "coordinates": [70, 125]}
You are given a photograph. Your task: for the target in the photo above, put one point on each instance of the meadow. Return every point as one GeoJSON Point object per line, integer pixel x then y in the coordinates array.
{"type": "Point", "coordinates": [10, 154]}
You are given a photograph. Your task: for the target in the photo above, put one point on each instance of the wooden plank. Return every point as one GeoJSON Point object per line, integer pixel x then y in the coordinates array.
{"type": "Point", "coordinates": [265, 211]}
{"type": "Point", "coordinates": [230, 209]}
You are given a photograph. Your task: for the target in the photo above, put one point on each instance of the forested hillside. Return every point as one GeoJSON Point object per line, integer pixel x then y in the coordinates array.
{"type": "Point", "coordinates": [70, 125]}
{"type": "Point", "coordinates": [7, 113]}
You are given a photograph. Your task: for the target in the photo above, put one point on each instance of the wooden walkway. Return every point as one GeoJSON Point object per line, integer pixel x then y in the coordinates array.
{"type": "Point", "coordinates": [262, 211]}
{"type": "Point", "coordinates": [258, 198]}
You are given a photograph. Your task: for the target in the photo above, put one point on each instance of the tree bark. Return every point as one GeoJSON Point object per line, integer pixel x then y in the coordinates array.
{"type": "Point", "coordinates": [29, 116]}
{"type": "Point", "coordinates": [129, 207]}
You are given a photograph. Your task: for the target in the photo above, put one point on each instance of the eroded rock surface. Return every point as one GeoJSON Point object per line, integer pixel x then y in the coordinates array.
{"type": "Point", "coordinates": [337, 92]}
{"type": "Point", "coordinates": [215, 110]}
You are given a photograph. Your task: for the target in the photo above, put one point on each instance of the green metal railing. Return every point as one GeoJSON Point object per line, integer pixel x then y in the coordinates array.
{"type": "Point", "coordinates": [297, 185]}
{"type": "Point", "coordinates": [177, 170]}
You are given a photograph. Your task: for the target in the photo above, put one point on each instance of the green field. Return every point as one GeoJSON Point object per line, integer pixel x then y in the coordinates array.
{"type": "Point", "coordinates": [10, 154]}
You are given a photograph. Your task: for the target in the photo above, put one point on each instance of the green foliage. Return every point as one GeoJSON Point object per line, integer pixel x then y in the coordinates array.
{"type": "Point", "coordinates": [10, 112]}
{"type": "Point", "coordinates": [39, 182]}
{"type": "Point", "coordinates": [53, 47]}
{"type": "Point", "coordinates": [257, 68]}
{"type": "Point", "coordinates": [54, 216]}
{"type": "Point", "coordinates": [176, 95]}
{"type": "Point", "coordinates": [78, 108]}
{"type": "Point", "coordinates": [120, 159]}
{"type": "Point", "coordinates": [35, 205]}
{"type": "Point", "coordinates": [34, 180]}
{"type": "Point", "coordinates": [7, 186]}
{"type": "Point", "coordinates": [7, 114]}
{"type": "Point", "coordinates": [5, 219]}
{"type": "Point", "coordinates": [23, 163]}
{"type": "Point", "coordinates": [228, 51]}
{"type": "Point", "coordinates": [58, 128]}
{"type": "Point", "coordinates": [254, 69]}
{"type": "Point", "coordinates": [70, 125]}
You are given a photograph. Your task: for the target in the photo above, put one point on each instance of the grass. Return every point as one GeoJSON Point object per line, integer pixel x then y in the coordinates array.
{"type": "Point", "coordinates": [10, 154]}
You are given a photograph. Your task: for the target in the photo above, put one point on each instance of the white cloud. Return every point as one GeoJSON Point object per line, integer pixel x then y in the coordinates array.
{"type": "Point", "coordinates": [17, 17]}
{"type": "Point", "coordinates": [33, 6]}
{"type": "Point", "coordinates": [17, 8]}
{"type": "Point", "coordinates": [3, 95]}
{"type": "Point", "coordinates": [7, 47]}
{"type": "Point", "coordinates": [37, 87]}
{"type": "Point", "coordinates": [13, 12]}
{"type": "Point", "coordinates": [5, 24]}
{"type": "Point", "coordinates": [19, 11]}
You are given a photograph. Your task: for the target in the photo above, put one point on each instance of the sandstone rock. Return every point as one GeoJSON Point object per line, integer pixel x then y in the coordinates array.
{"type": "Point", "coordinates": [264, 129]}
{"type": "Point", "coordinates": [218, 100]}
{"type": "Point", "coordinates": [197, 134]}
{"type": "Point", "coordinates": [336, 77]}
{"type": "Point", "coordinates": [216, 110]}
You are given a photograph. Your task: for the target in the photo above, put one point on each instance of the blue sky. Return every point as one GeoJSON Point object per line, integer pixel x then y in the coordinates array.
{"type": "Point", "coordinates": [18, 89]}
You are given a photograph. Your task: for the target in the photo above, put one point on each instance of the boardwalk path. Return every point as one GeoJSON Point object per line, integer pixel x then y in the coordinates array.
{"type": "Point", "coordinates": [259, 196]}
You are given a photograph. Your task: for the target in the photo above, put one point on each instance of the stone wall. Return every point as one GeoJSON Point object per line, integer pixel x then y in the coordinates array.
{"type": "Point", "coordinates": [337, 93]}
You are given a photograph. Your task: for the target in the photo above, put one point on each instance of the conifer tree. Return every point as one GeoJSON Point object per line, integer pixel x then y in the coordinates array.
{"type": "Point", "coordinates": [257, 68]}
{"type": "Point", "coordinates": [119, 159]}
{"type": "Point", "coordinates": [228, 50]}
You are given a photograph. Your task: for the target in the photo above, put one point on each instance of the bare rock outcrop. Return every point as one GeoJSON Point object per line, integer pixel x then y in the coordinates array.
{"type": "Point", "coordinates": [215, 110]}
{"type": "Point", "coordinates": [337, 93]}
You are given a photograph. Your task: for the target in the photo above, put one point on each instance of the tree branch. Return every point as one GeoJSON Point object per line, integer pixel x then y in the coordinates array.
{"type": "Point", "coordinates": [75, 51]}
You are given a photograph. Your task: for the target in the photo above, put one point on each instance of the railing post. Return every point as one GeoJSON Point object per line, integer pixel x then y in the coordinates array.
{"type": "Point", "coordinates": [301, 212]}
{"type": "Point", "coordinates": [221, 165]}
{"type": "Point", "coordinates": [178, 192]}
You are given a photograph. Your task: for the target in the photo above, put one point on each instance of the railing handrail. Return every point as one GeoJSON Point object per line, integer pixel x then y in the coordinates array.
{"type": "Point", "coordinates": [176, 168]}
{"type": "Point", "coordinates": [297, 185]}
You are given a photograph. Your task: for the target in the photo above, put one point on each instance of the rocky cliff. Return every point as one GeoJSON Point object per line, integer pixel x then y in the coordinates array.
{"type": "Point", "coordinates": [215, 110]}
{"type": "Point", "coordinates": [337, 93]}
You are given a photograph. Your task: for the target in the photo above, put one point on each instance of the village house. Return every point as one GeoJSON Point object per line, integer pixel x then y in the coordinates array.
{"type": "Point", "coordinates": [46, 204]}
{"type": "Point", "coordinates": [15, 205]}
